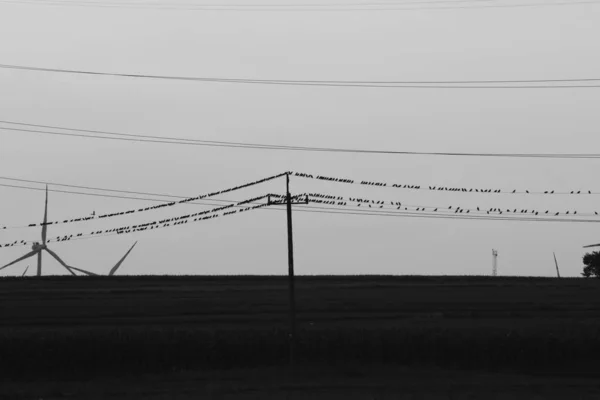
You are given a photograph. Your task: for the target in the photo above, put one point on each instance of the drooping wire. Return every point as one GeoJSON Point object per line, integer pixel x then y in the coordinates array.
{"type": "Point", "coordinates": [490, 84]}
{"type": "Point", "coordinates": [149, 208]}
{"type": "Point", "coordinates": [157, 224]}
{"type": "Point", "coordinates": [440, 188]}
{"type": "Point", "coordinates": [189, 142]}
{"type": "Point", "coordinates": [327, 199]}
{"type": "Point", "coordinates": [406, 6]}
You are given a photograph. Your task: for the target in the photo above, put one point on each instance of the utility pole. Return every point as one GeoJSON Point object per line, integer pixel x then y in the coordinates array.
{"type": "Point", "coordinates": [292, 294]}
{"type": "Point", "coordinates": [494, 262]}
{"type": "Point", "coordinates": [291, 269]}
{"type": "Point", "coordinates": [556, 262]}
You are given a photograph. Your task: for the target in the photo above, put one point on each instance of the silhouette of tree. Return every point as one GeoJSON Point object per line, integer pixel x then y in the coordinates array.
{"type": "Point", "coordinates": [592, 264]}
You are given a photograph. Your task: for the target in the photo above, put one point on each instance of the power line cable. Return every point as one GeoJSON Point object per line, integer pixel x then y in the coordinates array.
{"type": "Point", "coordinates": [332, 83]}
{"type": "Point", "coordinates": [333, 210]}
{"type": "Point", "coordinates": [440, 188]}
{"type": "Point", "coordinates": [299, 8]}
{"type": "Point", "coordinates": [164, 223]}
{"type": "Point", "coordinates": [321, 198]}
{"type": "Point", "coordinates": [143, 209]}
{"type": "Point", "coordinates": [140, 138]}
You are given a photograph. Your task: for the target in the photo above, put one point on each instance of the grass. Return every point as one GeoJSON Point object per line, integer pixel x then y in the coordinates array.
{"type": "Point", "coordinates": [60, 326]}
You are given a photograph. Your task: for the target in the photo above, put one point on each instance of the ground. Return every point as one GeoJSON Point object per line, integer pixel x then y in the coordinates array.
{"type": "Point", "coordinates": [350, 383]}
{"type": "Point", "coordinates": [101, 333]}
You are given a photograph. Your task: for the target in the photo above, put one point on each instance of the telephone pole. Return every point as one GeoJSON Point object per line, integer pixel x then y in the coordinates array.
{"type": "Point", "coordinates": [292, 336]}
{"type": "Point", "coordinates": [494, 262]}
{"type": "Point", "coordinates": [292, 289]}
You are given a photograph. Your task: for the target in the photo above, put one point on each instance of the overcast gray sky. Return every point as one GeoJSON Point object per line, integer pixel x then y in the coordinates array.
{"type": "Point", "coordinates": [463, 44]}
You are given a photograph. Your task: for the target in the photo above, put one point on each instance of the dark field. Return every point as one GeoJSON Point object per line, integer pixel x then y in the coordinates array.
{"type": "Point", "coordinates": [82, 327]}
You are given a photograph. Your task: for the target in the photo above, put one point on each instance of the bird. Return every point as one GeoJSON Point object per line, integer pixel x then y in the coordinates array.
{"type": "Point", "coordinates": [93, 213]}
{"type": "Point", "coordinates": [546, 192]}
{"type": "Point", "coordinates": [579, 191]}
{"type": "Point", "coordinates": [567, 212]}
{"type": "Point", "coordinates": [526, 191]}
{"type": "Point", "coordinates": [571, 191]}
{"type": "Point", "coordinates": [556, 214]}
{"type": "Point", "coordinates": [596, 212]}
{"type": "Point", "coordinates": [514, 191]}
{"type": "Point", "coordinates": [552, 192]}
{"type": "Point", "coordinates": [477, 208]}
{"type": "Point", "coordinates": [435, 209]}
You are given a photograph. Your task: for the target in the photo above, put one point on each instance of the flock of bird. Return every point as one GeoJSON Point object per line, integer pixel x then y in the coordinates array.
{"type": "Point", "coordinates": [184, 219]}
{"type": "Point", "coordinates": [319, 198]}
{"type": "Point", "coordinates": [436, 188]}
{"type": "Point", "coordinates": [150, 208]}
{"type": "Point", "coordinates": [379, 204]}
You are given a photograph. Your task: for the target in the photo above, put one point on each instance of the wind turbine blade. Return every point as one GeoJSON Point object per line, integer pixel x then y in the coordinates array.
{"type": "Point", "coordinates": [556, 262]}
{"type": "Point", "coordinates": [116, 267]}
{"type": "Point", "coordinates": [84, 271]}
{"type": "Point", "coordinates": [24, 272]}
{"type": "Point", "coordinates": [31, 253]}
{"type": "Point", "coordinates": [591, 245]}
{"type": "Point", "coordinates": [44, 226]}
{"type": "Point", "coordinates": [53, 254]}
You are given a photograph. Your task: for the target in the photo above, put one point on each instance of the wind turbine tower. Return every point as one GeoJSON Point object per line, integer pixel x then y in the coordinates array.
{"type": "Point", "coordinates": [494, 262]}
{"type": "Point", "coordinates": [38, 247]}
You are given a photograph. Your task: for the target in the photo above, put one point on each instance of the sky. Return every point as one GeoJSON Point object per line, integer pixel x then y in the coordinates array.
{"type": "Point", "coordinates": [546, 42]}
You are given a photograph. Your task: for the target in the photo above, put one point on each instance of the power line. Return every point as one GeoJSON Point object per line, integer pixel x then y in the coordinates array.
{"type": "Point", "coordinates": [334, 210]}
{"type": "Point", "coordinates": [111, 196]}
{"type": "Point", "coordinates": [138, 210]}
{"type": "Point", "coordinates": [300, 8]}
{"type": "Point", "coordinates": [219, 6]}
{"type": "Point", "coordinates": [312, 209]}
{"type": "Point", "coordinates": [332, 83]}
{"type": "Point", "coordinates": [439, 188]}
{"type": "Point", "coordinates": [192, 142]}
{"type": "Point", "coordinates": [95, 188]}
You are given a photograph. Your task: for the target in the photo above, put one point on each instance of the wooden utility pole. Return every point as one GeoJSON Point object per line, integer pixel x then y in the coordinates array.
{"type": "Point", "coordinates": [292, 336]}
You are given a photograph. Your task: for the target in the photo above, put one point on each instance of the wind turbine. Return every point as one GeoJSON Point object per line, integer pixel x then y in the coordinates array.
{"type": "Point", "coordinates": [116, 267]}
{"type": "Point", "coordinates": [37, 249]}
{"type": "Point", "coordinates": [556, 262]}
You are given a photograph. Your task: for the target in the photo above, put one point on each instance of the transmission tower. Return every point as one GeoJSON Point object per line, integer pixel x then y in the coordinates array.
{"type": "Point", "coordinates": [494, 262]}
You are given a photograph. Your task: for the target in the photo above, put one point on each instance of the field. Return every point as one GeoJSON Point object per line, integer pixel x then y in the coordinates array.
{"type": "Point", "coordinates": [171, 331]}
